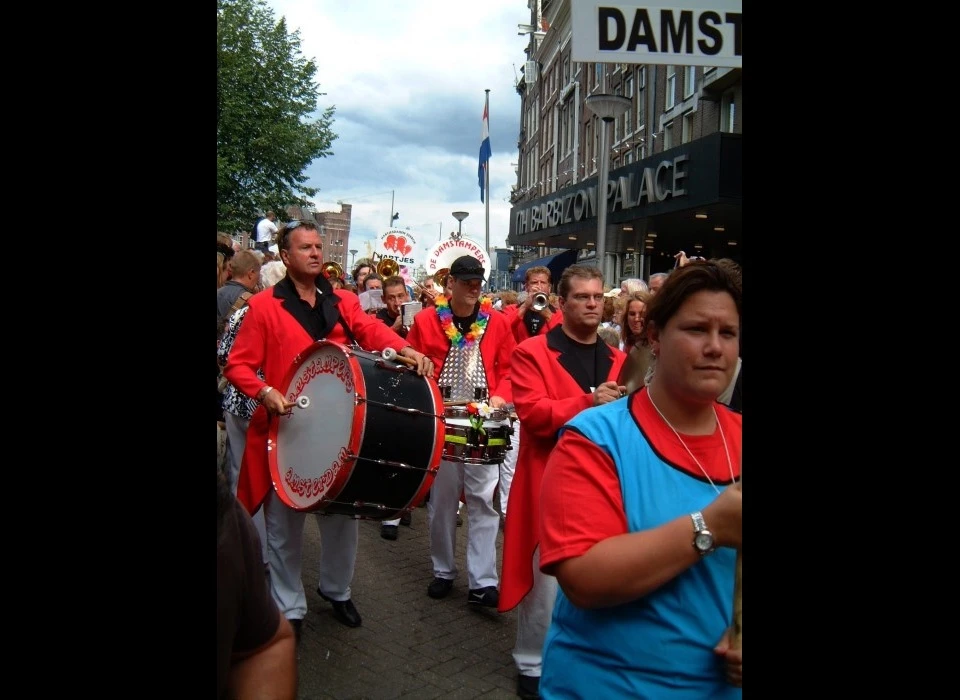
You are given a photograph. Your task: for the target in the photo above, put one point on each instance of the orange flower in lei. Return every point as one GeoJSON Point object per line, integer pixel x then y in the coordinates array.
{"type": "Point", "coordinates": [445, 314]}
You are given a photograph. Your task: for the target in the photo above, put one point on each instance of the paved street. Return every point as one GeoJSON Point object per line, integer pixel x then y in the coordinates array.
{"type": "Point", "coordinates": [410, 645]}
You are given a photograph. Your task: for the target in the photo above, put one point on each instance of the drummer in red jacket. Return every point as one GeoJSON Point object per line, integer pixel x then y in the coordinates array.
{"type": "Point", "coordinates": [470, 343]}
{"type": "Point", "coordinates": [554, 376]}
{"type": "Point", "coordinates": [281, 322]}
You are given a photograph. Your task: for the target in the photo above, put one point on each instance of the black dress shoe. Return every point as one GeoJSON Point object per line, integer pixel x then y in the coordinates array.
{"type": "Point", "coordinates": [389, 532]}
{"type": "Point", "coordinates": [528, 687]}
{"type": "Point", "coordinates": [439, 587]}
{"type": "Point", "coordinates": [406, 519]}
{"type": "Point", "coordinates": [344, 611]}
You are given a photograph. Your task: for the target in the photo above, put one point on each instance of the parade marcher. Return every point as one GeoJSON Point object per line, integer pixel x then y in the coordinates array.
{"type": "Point", "coordinates": [528, 318]}
{"type": "Point", "coordinates": [394, 294]}
{"type": "Point", "coordinates": [280, 323]}
{"type": "Point", "coordinates": [471, 345]}
{"type": "Point", "coordinates": [554, 376]}
{"type": "Point", "coordinates": [646, 560]}
{"type": "Point", "coordinates": [256, 649]}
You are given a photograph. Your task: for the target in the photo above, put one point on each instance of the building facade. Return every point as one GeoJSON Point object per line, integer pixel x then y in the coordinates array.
{"type": "Point", "coordinates": [675, 157]}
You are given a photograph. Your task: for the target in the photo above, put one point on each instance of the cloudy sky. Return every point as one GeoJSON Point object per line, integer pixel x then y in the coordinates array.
{"type": "Point", "coordinates": [407, 79]}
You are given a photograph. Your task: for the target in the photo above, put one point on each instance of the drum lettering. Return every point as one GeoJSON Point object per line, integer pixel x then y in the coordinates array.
{"type": "Point", "coordinates": [337, 366]}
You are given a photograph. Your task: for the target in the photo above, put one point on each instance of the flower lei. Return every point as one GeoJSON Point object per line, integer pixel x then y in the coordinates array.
{"type": "Point", "coordinates": [477, 413]}
{"type": "Point", "coordinates": [445, 314]}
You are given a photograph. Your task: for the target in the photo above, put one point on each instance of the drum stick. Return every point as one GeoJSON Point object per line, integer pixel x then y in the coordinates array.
{"type": "Point", "coordinates": [735, 643]}
{"type": "Point", "coordinates": [391, 354]}
{"type": "Point", "coordinates": [455, 403]}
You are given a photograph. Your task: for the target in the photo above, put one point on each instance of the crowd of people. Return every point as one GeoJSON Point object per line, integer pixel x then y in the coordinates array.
{"type": "Point", "coordinates": [620, 500]}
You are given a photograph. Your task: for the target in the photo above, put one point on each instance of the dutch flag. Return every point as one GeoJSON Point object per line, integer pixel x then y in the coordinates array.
{"type": "Point", "coordinates": [484, 147]}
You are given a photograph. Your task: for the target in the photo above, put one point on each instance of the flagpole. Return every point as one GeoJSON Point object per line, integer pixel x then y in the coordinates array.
{"type": "Point", "coordinates": [486, 185]}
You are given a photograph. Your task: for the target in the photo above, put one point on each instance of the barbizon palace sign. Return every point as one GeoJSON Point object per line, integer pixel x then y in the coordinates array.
{"type": "Point", "coordinates": [678, 32]}
{"type": "Point", "coordinates": [634, 189]}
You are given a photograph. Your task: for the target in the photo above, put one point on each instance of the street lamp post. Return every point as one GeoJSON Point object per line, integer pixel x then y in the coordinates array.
{"type": "Point", "coordinates": [353, 256]}
{"type": "Point", "coordinates": [606, 107]}
{"type": "Point", "coordinates": [460, 216]}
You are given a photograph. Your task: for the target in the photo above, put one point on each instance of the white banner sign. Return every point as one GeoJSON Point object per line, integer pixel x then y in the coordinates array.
{"type": "Point", "coordinates": [695, 33]}
{"type": "Point", "coordinates": [402, 247]}
{"type": "Point", "coordinates": [445, 252]}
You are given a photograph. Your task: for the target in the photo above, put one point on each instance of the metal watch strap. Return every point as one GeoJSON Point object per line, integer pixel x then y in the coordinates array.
{"type": "Point", "coordinates": [699, 525]}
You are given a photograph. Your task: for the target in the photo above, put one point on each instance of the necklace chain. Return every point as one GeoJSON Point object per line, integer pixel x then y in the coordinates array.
{"type": "Point", "coordinates": [697, 461]}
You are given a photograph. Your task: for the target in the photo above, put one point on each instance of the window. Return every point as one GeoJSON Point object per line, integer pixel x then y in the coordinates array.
{"type": "Point", "coordinates": [671, 97]}
{"type": "Point", "coordinates": [727, 111]}
{"type": "Point", "coordinates": [689, 80]}
{"type": "Point", "coordinates": [641, 151]}
{"type": "Point", "coordinates": [628, 85]}
{"type": "Point", "coordinates": [668, 135]}
{"type": "Point", "coordinates": [628, 122]}
{"type": "Point", "coordinates": [687, 134]}
{"type": "Point", "coordinates": [597, 75]}
{"type": "Point", "coordinates": [566, 70]}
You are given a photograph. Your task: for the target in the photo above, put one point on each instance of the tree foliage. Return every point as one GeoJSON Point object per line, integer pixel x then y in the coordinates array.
{"type": "Point", "coordinates": [265, 98]}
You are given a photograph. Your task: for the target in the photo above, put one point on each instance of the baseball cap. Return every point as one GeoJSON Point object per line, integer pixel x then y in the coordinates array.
{"type": "Point", "coordinates": [467, 267]}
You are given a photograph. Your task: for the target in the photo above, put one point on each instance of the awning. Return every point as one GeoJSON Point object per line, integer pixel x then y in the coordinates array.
{"type": "Point", "coordinates": [556, 263]}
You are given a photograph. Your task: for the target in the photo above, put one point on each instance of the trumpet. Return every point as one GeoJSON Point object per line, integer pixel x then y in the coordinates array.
{"type": "Point", "coordinates": [332, 269]}
{"type": "Point", "coordinates": [539, 302]}
{"type": "Point", "coordinates": [387, 268]}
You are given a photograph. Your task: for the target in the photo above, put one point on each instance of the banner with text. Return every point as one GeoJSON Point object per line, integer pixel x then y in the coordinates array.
{"type": "Point", "coordinates": [681, 33]}
{"type": "Point", "coordinates": [401, 247]}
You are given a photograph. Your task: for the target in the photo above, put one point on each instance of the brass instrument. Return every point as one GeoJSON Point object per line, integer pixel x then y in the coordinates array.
{"type": "Point", "coordinates": [332, 269]}
{"type": "Point", "coordinates": [440, 277]}
{"type": "Point", "coordinates": [540, 301]}
{"type": "Point", "coordinates": [388, 268]}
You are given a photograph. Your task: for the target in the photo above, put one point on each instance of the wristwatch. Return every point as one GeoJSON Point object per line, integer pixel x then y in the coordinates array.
{"type": "Point", "coordinates": [702, 537]}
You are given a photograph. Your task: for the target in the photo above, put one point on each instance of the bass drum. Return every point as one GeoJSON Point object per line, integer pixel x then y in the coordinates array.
{"type": "Point", "coordinates": [364, 439]}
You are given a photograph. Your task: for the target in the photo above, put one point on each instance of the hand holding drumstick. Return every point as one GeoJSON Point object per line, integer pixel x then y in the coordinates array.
{"type": "Point", "coordinates": [731, 647]}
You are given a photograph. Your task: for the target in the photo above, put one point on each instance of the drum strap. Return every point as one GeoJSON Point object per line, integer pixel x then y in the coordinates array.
{"type": "Point", "coordinates": [346, 328]}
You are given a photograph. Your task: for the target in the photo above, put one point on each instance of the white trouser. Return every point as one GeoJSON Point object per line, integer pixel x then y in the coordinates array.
{"type": "Point", "coordinates": [395, 523]}
{"type": "Point", "coordinates": [236, 441]}
{"type": "Point", "coordinates": [478, 482]}
{"type": "Point", "coordinates": [533, 620]}
{"type": "Point", "coordinates": [508, 466]}
{"type": "Point", "coordinates": [339, 535]}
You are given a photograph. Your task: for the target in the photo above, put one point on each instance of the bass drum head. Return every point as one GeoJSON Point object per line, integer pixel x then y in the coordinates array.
{"type": "Point", "coordinates": [312, 450]}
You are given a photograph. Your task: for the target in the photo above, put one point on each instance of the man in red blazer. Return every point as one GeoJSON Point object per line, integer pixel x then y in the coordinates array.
{"type": "Point", "coordinates": [553, 377]}
{"type": "Point", "coordinates": [470, 343]}
{"type": "Point", "coordinates": [526, 322]}
{"type": "Point", "coordinates": [280, 323]}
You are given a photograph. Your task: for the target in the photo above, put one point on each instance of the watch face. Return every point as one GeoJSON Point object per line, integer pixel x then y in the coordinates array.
{"type": "Point", "coordinates": [703, 541]}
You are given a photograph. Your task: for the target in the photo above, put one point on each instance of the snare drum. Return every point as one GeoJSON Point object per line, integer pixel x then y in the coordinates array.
{"type": "Point", "coordinates": [462, 443]}
{"type": "Point", "coordinates": [364, 439]}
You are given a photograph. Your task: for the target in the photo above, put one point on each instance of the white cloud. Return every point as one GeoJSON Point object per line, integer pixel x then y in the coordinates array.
{"type": "Point", "coordinates": [408, 80]}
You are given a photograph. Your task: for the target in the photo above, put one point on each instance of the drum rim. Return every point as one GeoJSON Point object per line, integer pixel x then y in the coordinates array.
{"type": "Point", "coordinates": [356, 436]}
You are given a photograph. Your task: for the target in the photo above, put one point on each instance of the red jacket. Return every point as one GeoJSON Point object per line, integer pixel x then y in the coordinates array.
{"type": "Point", "coordinates": [496, 347]}
{"type": "Point", "coordinates": [271, 336]}
{"type": "Point", "coordinates": [519, 328]}
{"type": "Point", "coordinates": [549, 388]}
